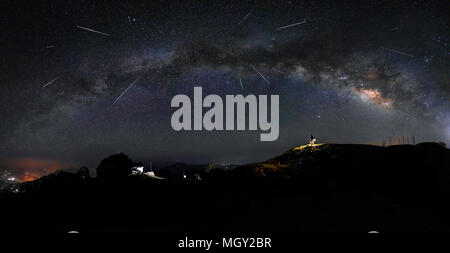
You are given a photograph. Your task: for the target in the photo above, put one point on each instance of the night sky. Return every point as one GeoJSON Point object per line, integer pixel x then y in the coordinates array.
{"type": "Point", "coordinates": [349, 73]}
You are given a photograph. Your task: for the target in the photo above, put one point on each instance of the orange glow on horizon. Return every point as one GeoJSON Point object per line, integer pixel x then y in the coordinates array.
{"type": "Point", "coordinates": [30, 169]}
{"type": "Point", "coordinates": [28, 177]}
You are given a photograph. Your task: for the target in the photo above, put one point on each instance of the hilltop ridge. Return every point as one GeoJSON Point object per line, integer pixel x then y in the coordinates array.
{"type": "Point", "coordinates": [320, 188]}
{"type": "Point", "coordinates": [320, 158]}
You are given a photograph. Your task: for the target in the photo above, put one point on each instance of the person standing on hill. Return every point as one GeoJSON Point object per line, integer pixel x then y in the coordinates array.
{"type": "Point", "coordinates": [312, 141]}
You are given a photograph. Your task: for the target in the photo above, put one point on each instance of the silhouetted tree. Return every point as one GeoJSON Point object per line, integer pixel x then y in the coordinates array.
{"type": "Point", "coordinates": [115, 166]}
{"type": "Point", "coordinates": [83, 173]}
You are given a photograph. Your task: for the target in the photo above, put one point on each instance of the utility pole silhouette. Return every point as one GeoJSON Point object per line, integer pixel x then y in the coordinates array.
{"type": "Point", "coordinates": [414, 140]}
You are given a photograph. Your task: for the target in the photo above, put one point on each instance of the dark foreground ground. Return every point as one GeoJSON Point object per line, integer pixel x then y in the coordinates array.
{"type": "Point", "coordinates": [325, 188]}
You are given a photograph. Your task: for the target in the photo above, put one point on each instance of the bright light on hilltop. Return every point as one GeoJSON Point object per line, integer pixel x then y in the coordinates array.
{"type": "Point", "coordinates": [308, 145]}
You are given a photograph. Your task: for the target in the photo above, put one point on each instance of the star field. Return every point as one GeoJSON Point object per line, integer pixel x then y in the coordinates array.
{"type": "Point", "coordinates": [345, 72]}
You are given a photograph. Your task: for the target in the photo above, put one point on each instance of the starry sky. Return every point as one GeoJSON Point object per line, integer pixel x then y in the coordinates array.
{"type": "Point", "coordinates": [345, 72]}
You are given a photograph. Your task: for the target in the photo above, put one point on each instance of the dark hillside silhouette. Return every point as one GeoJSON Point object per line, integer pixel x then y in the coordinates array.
{"type": "Point", "coordinates": [320, 188]}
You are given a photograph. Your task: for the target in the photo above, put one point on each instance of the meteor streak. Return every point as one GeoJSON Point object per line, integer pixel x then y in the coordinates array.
{"type": "Point", "coordinates": [398, 52]}
{"type": "Point", "coordinates": [52, 81]}
{"type": "Point", "coordinates": [246, 16]}
{"type": "Point", "coordinates": [253, 67]}
{"type": "Point", "coordinates": [287, 26]}
{"type": "Point", "coordinates": [276, 70]}
{"type": "Point", "coordinates": [91, 30]}
{"type": "Point", "coordinates": [240, 81]}
{"type": "Point", "coordinates": [131, 85]}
